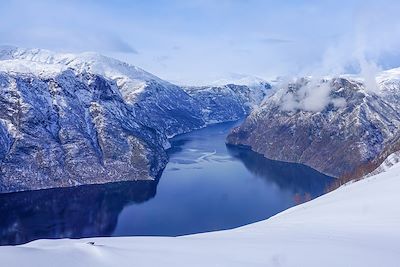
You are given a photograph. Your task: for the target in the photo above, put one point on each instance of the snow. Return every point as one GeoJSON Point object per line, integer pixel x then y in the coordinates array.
{"type": "Point", "coordinates": [355, 225]}
{"type": "Point", "coordinates": [388, 75]}
{"type": "Point", "coordinates": [23, 66]}
{"type": "Point", "coordinates": [388, 163]}
{"type": "Point", "coordinates": [44, 62]}
{"type": "Point", "coordinates": [240, 79]}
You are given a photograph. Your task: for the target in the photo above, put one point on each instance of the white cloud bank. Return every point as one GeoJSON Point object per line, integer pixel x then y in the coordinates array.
{"type": "Point", "coordinates": [214, 38]}
{"type": "Point", "coordinates": [314, 96]}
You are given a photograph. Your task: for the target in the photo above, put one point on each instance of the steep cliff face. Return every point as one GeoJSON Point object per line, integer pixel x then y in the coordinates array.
{"type": "Point", "coordinates": [71, 129]}
{"type": "Point", "coordinates": [68, 119]}
{"type": "Point", "coordinates": [169, 108]}
{"type": "Point", "coordinates": [158, 103]}
{"type": "Point", "coordinates": [228, 102]}
{"type": "Point", "coordinates": [333, 125]}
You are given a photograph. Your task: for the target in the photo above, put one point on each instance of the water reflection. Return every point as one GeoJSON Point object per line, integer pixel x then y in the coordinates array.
{"type": "Point", "coordinates": [206, 186]}
{"type": "Point", "coordinates": [300, 179]}
{"type": "Point", "coordinates": [68, 212]}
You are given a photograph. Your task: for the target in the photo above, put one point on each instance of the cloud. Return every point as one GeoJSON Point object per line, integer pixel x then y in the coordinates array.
{"type": "Point", "coordinates": [206, 40]}
{"type": "Point", "coordinates": [161, 58]}
{"type": "Point", "coordinates": [65, 39]}
{"type": "Point", "coordinates": [112, 43]}
{"type": "Point", "coordinates": [313, 95]}
{"type": "Point", "coordinates": [365, 46]}
{"type": "Point", "coordinates": [275, 41]}
{"type": "Point", "coordinates": [67, 26]}
{"type": "Point", "coordinates": [369, 70]}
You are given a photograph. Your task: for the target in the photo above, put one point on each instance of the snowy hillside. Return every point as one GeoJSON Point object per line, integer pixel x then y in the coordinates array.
{"type": "Point", "coordinates": [157, 103]}
{"type": "Point", "coordinates": [355, 225]}
{"type": "Point", "coordinates": [389, 162]}
{"type": "Point", "coordinates": [132, 79]}
{"type": "Point", "coordinates": [317, 122]}
{"type": "Point", "coordinates": [69, 130]}
{"type": "Point", "coordinates": [240, 79]}
{"type": "Point", "coordinates": [71, 119]}
{"type": "Point", "coordinates": [229, 101]}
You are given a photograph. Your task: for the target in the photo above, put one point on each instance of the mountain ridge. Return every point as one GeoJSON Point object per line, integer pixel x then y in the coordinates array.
{"type": "Point", "coordinates": [80, 119]}
{"type": "Point", "coordinates": [332, 125]}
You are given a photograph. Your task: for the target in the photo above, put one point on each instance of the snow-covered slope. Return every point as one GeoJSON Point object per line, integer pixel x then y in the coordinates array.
{"type": "Point", "coordinates": [132, 79]}
{"type": "Point", "coordinates": [158, 103]}
{"type": "Point", "coordinates": [229, 101]}
{"type": "Point", "coordinates": [389, 162]}
{"type": "Point", "coordinates": [334, 124]}
{"type": "Point", "coordinates": [355, 225]}
{"type": "Point", "coordinates": [240, 79]}
{"type": "Point", "coordinates": [69, 119]}
{"type": "Point", "coordinates": [71, 129]}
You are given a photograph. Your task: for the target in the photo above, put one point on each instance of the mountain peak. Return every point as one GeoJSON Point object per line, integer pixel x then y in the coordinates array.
{"type": "Point", "coordinates": [48, 63]}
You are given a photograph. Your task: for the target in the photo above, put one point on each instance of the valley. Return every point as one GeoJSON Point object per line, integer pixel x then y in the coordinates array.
{"type": "Point", "coordinates": [199, 133]}
{"type": "Point", "coordinates": [206, 186]}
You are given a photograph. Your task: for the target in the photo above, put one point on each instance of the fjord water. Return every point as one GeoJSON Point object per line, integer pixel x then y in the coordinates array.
{"type": "Point", "coordinates": [206, 186]}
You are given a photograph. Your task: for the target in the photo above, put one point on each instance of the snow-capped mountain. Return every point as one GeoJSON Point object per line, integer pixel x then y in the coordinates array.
{"type": "Point", "coordinates": [240, 79]}
{"type": "Point", "coordinates": [69, 119]}
{"type": "Point", "coordinates": [334, 125]}
{"type": "Point", "coordinates": [228, 102]}
{"type": "Point", "coordinates": [153, 99]}
{"type": "Point", "coordinates": [71, 129]}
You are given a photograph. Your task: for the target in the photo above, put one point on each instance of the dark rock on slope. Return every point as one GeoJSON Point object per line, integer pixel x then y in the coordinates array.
{"type": "Point", "coordinates": [332, 125]}
{"type": "Point", "coordinates": [69, 130]}
{"type": "Point", "coordinates": [68, 119]}
{"type": "Point", "coordinates": [228, 102]}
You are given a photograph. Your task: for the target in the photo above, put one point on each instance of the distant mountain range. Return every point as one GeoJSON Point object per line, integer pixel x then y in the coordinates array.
{"type": "Point", "coordinates": [70, 119]}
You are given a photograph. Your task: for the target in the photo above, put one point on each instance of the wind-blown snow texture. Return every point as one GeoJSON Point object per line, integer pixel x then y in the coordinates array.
{"type": "Point", "coordinates": [355, 225]}
{"type": "Point", "coordinates": [333, 125]}
{"type": "Point", "coordinates": [69, 119]}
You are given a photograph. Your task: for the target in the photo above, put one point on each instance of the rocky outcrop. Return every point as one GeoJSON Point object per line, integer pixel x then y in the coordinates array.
{"type": "Point", "coordinates": [332, 125]}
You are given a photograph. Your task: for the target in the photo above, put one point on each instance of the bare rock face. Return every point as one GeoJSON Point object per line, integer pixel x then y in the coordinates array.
{"type": "Point", "coordinates": [332, 125]}
{"type": "Point", "coordinates": [71, 129]}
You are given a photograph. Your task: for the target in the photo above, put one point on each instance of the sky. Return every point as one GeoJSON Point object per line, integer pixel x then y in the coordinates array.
{"type": "Point", "coordinates": [200, 41]}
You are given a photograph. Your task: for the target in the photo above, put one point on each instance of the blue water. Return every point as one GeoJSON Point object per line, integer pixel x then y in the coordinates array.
{"type": "Point", "coordinates": [206, 186]}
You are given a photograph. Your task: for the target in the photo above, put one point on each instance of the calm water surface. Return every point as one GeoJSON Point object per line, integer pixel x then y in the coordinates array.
{"type": "Point", "coordinates": [206, 186]}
